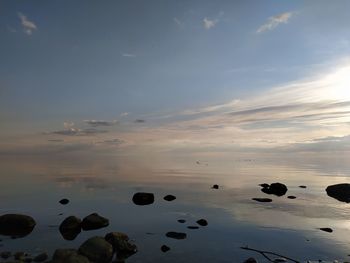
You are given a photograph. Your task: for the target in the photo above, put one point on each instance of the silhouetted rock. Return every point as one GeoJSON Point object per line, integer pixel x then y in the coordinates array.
{"type": "Point", "coordinates": [64, 201]}
{"type": "Point", "coordinates": [251, 260]}
{"type": "Point", "coordinates": [120, 243]}
{"type": "Point", "coordinates": [341, 192]}
{"type": "Point", "coordinates": [264, 185]}
{"type": "Point", "coordinates": [262, 200]}
{"type": "Point", "coordinates": [326, 229]}
{"type": "Point", "coordinates": [215, 186]}
{"type": "Point", "coordinates": [16, 225]}
{"type": "Point", "coordinates": [143, 198]}
{"type": "Point", "coordinates": [275, 189]}
{"type": "Point", "coordinates": [192, 227]}
{"type": "Point", "coordinates": [302, 186]}
{"type": "Point", "coordinates": [176, 235]}
{"type": "Point", "coordinates": [5, 254]}
{"type": "Point", "coordinates": [202, 222]}
{"type": "Point", "coordinates": [164, 248]}
{"type": "Point", "coordinates": [97, 249]}
{"type": "Point", "coordinates": [41, 257]}
{"type": "Point", "coordinates": [70, 228]}
{"type": "Point", "coordinates": [291, 197]}
{"type": "Point", "coordinates": [94, 221]}
{"type": "Point", "coordinates": [19, 256]}
{"type": "Point", "coordinates": [169, 198]}
{"type": "Point", "coordinates": [181, 221]}
{"type": "Point", "coordinates": [68, 256]}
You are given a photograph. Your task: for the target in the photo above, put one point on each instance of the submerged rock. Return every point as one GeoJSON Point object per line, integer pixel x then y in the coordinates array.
{"type": "Point", "coordinates": [120, 243]}
{"type": "Point", "coordinates": [97, 249]}
{"type": "Point", "coordinates": [275, 189]}
{"type": "Point", "coordinates": [94, 221]}
{"type": "Point", "coordinates": [181, 221]}
{"type": "Point", "coordinates": [70, 228]}
{"type": "Point", "coordinates": [262, 200]}
{"type": "Point", "coordinates": [291, 197]}
{"type": "Point", "coordinates": [302, 186]}
{"type": "Point", "coordinates": [251, 260]}
{"type": "Point", "coordinates": [169, 198]}
{"type": "Point", "coordinates": [16, 225]}
{"type": "Point", "coordinates": [341, 192]}
{"type": "Point", "coordinates": [143, 198]}
{"type": "Point", "coordinates": [326, 229]}
{"type": "Point", "coordinates": [202, 222]}
{"type": "Point", "coordinates": [176, 235]}
{"type": "Point", "coordinates": [64, 201]}
{"type": "Point", "coordinates": [215, 186]}
{"type": "Point", "coordinates": [164, 248]}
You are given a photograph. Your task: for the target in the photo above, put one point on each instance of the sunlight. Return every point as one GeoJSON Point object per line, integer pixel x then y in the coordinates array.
{"type": "Point", "coordinates": [339, 84]}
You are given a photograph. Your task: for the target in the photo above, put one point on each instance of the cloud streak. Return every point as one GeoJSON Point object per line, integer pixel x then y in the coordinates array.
{"type": "Point", "coordinates": [209, 23]}
{"type": "Point", "coordinates": [274, 22]}
{"type": "Point", "coordinates": [98, 123]}
{"type": "Point", "coordinates": [27, 25]}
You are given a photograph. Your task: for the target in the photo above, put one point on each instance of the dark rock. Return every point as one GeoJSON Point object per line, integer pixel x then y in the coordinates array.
{"type": "Point", "coordinates": [264, 185]}
{"type": "Point", "coordinates": [192, 227]}
{"type": "Point", "coordinates": [28, 260]}
{"type": "Point", "coordinates": [64, 201]}
{"type": "Point", "coordinates": [41, 257]}
{"type": "Point", "coordinates": [94, 221]}
{"type": "Point", "coordinates": [326, 229]}
{"type": "Point", "coordinates": [275, 189]}
{"type": "Point", "coordinates": [181, 221]}
{"type": "Point", "coordinates": [16, 225]}
{"type": "Point", "coordinates": [19, 256]}
{"type": "Point", "coordinates": [341, 192]}
{"type": "Point", "coordinates": [202, 222]}
{"type": "Point", "coordinates": [164, 248]}
{"type": "Point", "coordinates": [97, 249]}
{"type": "Point", "coordinates": [5, 254]}
{"type": "Point", "coordinates": [262, 200]}
{"type": "Point", "coordinates": [63, 254]}
{"type": "Point", "coordinates": [169, 198]}
{"type": "Point", "coordinates": [291, 197]}
{"type": "Point", "coordinates": [176, 235]}
{"type": "Point", "coordinates": [143, 198]}
{"type": "Point", "coordinates": [70, 228]}
{"type": "Point", "coordinates": [120, 243]}
{"type": "Point", "coordinates": [302, 186]}
{"type": "Point", "coordinates": [68, 256]}
{"type": "Point", "coordinates": [215, 186]}
{"type": "Point", "coordinates": [251, 260]}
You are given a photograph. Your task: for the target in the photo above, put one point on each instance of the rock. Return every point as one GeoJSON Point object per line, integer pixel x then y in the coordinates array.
{"type": "Point", "coordinates": [181, 221]}
{"type": "Point", "coordinates": [16, 225]}
{"type": "Point", "coordinates": [63, 254]}
{"type": "Point", "coordinates": [169, 198]}
{"type": "Point", "coordinates": [202, 222]}
{"type": "Point", "coordinates": [120, 243]}
{"type": "Point", "coordinates": [251, 260]}
{"type": "Point", "coordinates": [97, 249]}
{"type": "Point", "coordinates": [64, 201]}
{"type": "Point", "coordinates": [68, 256]}
{"type": "Point", "coordinates": [262, 200]}
{"type": "Point", "coordinates": [326, 229]}
{"type": "Point", "coordinates": [164, 248]}
{"type": "Point", "coordinates": [192, 227]}
{"type": "Point", "coordinates": [19, 256]}
{"type": "Point", "coordinates": [264, 185]}
{"type": "Point", "coordinates": [291, 197]}
{"type": "Point", "coordinates": [5, 254]}
{"type": "Point", "coordinates": [28, 260]}
{"type": "Point", "coordinates": [70, 228]}
{"type": "Point", "coordinates": [341, 192]}
{"type": "Point", "coordinates": [94, 221]}
{"type": "Point", "coordinates": [302, 186]}
{"type": "Point", "coordinates": [143, 198]}
{"type": "Point", "coordinates": [41, 257]}
{"type": "Point", "coordinates": [275, 189]}
{"type": "Point", "coordinates": [215, 186]}
{"type": "Point", "coordinates": [176, 235]}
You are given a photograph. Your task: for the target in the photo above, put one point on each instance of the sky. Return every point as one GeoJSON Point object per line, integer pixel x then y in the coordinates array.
{"type": "Point", "coordinates": [174, 75]}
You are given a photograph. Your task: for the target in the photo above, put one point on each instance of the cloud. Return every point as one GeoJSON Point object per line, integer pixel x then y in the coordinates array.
{"type": "Point", "coordinates": [208, 24]}
{"type": "Point", "coordinates": [124, 114]}
{"type": "Point", "coordinates": [139, 121]}
{"type": "Point", "coordinates": [178, 22]}
{"type": "Point", "coordinates": [68, 124]}
{"type": "Point", "coordinates": [113, 141]}
{"type": "Point", "coordinates": [129, 55]}
{"type": "Point", "coordinates": [275, 21]}
{"type": "Point", "coordinates": [77, 132]}
{"type": "Point", "coordinates": [28, 26]}
{"type": "Point", "coordinates": [97, 123]}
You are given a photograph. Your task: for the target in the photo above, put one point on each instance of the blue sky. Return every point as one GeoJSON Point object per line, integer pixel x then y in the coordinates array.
{"type": "Point", "coordinates": [65, 63]}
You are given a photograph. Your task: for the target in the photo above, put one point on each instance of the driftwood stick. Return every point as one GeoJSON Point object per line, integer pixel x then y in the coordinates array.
{"type": "Point", "coordinates": [263, 253]}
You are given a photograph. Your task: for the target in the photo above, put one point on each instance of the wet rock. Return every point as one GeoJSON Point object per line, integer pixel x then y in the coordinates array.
{"type": "Point", "coordinates": [275, 189]}
{"type": "Point", "coordinates": [70, 228]}
{"type": "Point", "coordinates": [262, 200]}
{"type": "Point", "coordinates": [68, 256]}
{"type": "Point", "coordinates": [164, 248]}
{"type": "Point", "coordinates": [41, 257]}
{"type": "Point", "coordinates": [326, 229]}
{"type": "Point", "coordinates": [120, 243]}
{"type": "Point", "coordinates": [176, 235]}
{"type": "Point", "coordinates": [143, 198]}
{"type": "Point", "coordinates": [302, 186]}
{"type": "Point", "coordinates": [341, 192]}
{"type": "Point", "coordinates": [5, 254]}
{"type": "Point", "coordinates": [251, 260]}
{"type": "Point", "coordinates": [97, 249]}
{"type": "Point", "coordinates": [192, 227]}
{"type": "Point", "coordinates": [16, 225]}
{"type": "Point", "coordinates": [94, 221]}
{"type": "Point", "coordinates": [215, 186]}
{"type": "Point", "coordinates": [19, 256]}
{"type": "Point", "coordinates": [63, 254]}
{"type": "Point", "coordinates": [64, 201]}
{"type": "Point", "coordinates": [291, 197]}
{"type": "Point", "coordinates": [181, 221]}
{"type": "Point", "coordinates": [202, 222]}
{"type": "Point", "coordinates": [169, 198]}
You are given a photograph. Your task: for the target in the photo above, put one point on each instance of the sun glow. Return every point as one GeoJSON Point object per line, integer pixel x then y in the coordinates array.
{"type": "Point", "coordinates": [338, 84]}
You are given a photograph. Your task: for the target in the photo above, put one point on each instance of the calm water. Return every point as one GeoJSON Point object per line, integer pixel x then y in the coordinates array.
{"type": "Point", "coordinates": [106, 184]}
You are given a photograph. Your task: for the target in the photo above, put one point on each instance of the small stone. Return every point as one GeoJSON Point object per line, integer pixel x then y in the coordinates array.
{"type": "Point", "coordinates": [275, 189]}
{"type": "Point", "coordinates": [70, 228]}
{"type": "Point", "coordinates": [164, 248]}
{"type": "Point", "coordinates": [41, 257]}
{"type": "Point", "coordinates": [302, 186]}
{"type": "Point", "coordinates": [215, 186]}
{"type": "Point", "coordinates": [192, 227]}
{"type": "Point", "coordinates": [291, 197]}
{"type": "Point", "coordinates": [169, 198]}
{"type": "Point", "coordinates": [176, 235]}
{"type": "Point", "coordinates": [181, 221]}
{"type": "Point", "coordinates": [251, 260]}
{"type": "Point", "coordinates": [94, 221]}
{"type": "Point", "coordinates": [143, 198]}
{"type": "Point", "coordinates": [326, 229]}
{"type": "Point", "coordinates": [202, 222]}
{"type": "Point", "coordinates": [262, 200]}
{"type": "Point", "coordinates": [97, 249]}
{"type": "Point", "coordinates": [64, 201]}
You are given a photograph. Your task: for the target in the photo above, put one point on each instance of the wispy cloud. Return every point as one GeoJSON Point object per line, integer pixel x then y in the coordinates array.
{"type": "Point", "coordinates": [129, 55]}
{"type": "Point", "coordinates": [97, 123]}
{"type": "Point", "coordinates": [77, 132]}
{"type": "Point", "coordinates": [178, 22]}
{"type": "Point", "coordinates": [124, 114]}
{"type": "Point", "coordinates": [28, 26]}
{"type": "Point", "coordinates": [275, 21]}
{"type": "Point", "coordinates": [209, 23]}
